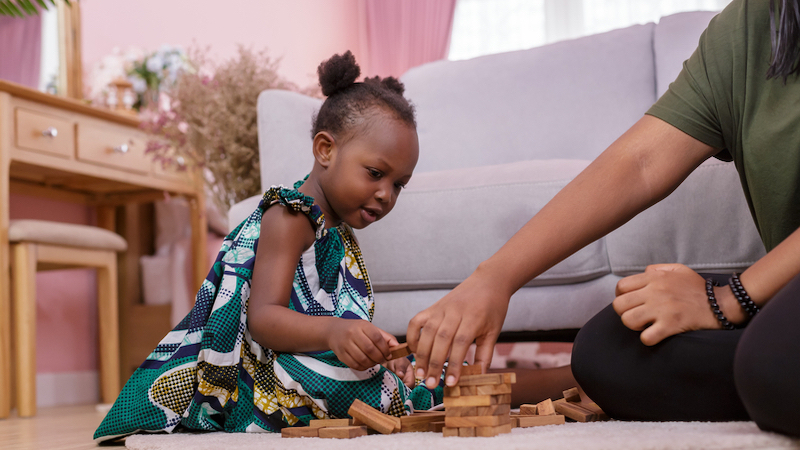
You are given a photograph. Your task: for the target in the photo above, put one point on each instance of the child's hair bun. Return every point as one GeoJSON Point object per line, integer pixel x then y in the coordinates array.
{"type": "Point", "coordinates": [337, 73]}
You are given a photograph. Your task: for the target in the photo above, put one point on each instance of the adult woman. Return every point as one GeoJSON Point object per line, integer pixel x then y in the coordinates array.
{"type": "Point", "coordinates": [654, 356]}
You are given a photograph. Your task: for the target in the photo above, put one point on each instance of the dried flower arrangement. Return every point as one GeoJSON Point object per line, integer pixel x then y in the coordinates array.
{"type": "Point", "coordinates": [210, 122]}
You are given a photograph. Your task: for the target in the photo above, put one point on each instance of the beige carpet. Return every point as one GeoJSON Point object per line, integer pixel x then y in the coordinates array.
{"type": "Point", "coordinates": [571, 436]}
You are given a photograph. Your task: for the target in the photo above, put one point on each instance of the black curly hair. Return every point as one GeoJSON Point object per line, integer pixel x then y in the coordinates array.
{"type": "Point", "coordinates": [785, 35]}
{"type": "Point", "coordinates": [349, 101]}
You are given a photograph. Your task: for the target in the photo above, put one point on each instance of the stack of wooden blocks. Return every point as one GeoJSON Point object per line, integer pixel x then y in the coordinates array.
{"type": "Point", "coordinates": [479, 405]}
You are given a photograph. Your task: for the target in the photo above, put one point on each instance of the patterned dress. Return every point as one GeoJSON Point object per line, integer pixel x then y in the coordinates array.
{"type": "Point", "coordinates": [209, 374]}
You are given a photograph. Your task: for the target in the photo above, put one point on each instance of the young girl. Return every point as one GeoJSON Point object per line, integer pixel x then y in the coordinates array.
{"type": "Point", "coordinates": [280, 333]}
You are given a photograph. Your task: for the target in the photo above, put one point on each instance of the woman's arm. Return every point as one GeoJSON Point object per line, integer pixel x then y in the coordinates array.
{"type": "Point", "coordinates": [643, 166]}
{"type": "Point", "coordinates": [284, 236]}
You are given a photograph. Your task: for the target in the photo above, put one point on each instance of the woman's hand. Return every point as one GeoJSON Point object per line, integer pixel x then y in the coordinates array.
{"type": "Point", "coordinates": [669, 299]}
{"type": "Point", "coordinates": [402, 368]}
{"type": "Point", "coordinates": [359, 343]}
{"type": "Point", "coordinates": [473, 311]}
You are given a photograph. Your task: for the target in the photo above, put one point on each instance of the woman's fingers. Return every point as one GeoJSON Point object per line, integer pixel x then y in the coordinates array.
{"type": "Point", "coordinates": [424, 344]}
{"type": "Point", "coordinates": [443, 340]}
{"type": "Point", "coordinates": [632, 283]}
{"type": "Point", "coordinates": [637, 319]}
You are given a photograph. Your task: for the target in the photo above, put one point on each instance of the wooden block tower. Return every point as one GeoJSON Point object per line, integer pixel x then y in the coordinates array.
{"type": "Point", "coordinates": [479, 405]}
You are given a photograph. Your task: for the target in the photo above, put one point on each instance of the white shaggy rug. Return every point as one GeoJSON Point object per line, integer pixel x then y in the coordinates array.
{"type": "Point", "coordinates": [591, 436]}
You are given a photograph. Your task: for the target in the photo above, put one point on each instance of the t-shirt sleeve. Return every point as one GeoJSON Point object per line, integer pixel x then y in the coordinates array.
{"type": "Point", "coordinates": [692, 103]}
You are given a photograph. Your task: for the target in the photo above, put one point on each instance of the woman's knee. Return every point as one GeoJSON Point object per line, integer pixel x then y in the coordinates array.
{"type": "Point", "coordinates": [767, 363]}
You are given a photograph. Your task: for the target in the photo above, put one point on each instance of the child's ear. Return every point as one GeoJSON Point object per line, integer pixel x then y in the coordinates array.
{"type": "Point", "coordinates": [324, 146]}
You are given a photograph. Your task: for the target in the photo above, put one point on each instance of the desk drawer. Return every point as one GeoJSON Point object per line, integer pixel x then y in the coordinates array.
{"type": "Point", "coordinates": [45, 133]}
{"type": "Point", "coordinates": [113, 146]}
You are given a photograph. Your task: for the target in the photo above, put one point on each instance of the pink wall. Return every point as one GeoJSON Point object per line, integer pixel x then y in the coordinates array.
{"type": "Point", "coordinates": [300, 32]}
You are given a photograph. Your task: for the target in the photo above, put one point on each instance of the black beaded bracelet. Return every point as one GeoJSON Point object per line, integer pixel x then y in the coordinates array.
{"type": "Point", "coordinates": [712, 301]}
{"type": "Point", "coordinates": [744, 300]}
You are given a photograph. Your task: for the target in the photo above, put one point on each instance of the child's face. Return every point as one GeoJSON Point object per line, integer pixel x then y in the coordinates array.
{"type": "Point", "coordinates": [368, 171]}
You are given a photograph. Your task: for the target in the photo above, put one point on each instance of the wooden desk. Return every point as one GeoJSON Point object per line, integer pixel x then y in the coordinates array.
{"type": "Point", "coordinates": [95, 157]}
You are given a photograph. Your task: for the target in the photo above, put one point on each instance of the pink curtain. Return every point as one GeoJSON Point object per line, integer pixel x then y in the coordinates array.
{"type": "Point", "coordinates": [401, 34]}
{"type": "Point", "coordinates": [20, 49]}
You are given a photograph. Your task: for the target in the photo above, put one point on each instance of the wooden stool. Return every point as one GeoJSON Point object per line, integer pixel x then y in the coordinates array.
{"type": "Point", "coordinates": [43, 245]}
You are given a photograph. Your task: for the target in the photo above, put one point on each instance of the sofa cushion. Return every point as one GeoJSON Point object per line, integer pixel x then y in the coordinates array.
{"type": "Point", "coordinates": [445, 223]}
{"type": "Point", "coordinates": [567, 100]}
{"type": "Point", "coordinates": [705, 223]}
{"type": "Point", "coordinates": [531, 308]}
{"type": "Point", "coordinates": [674, 40]}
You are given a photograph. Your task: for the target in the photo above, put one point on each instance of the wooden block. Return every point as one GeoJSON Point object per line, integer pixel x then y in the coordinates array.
{"type": "Point", "coordinates": [449, 432]}
{"type": "Point", "coordinates": [592, 406]}
{"type": "Point", "coordinates": [492, 389]}
{"type": "Point", "coordinates": [297, 432]}
{"type": "Point", "coordinates": [419, 422]}
{"type": "Point", "coordinates": [472, 369]}
{"type": "Point", "coordinates": [460, 411]}
{"type": "Point", "coordinates": [493, 431]}
{"type": "Point", "coordinates": [373, 418]}
{"type": "Point", "coordinates": [477, 400]}
{"type": "Point", "coordinates": [466, 432]}
{"type": "Point", "coordinates": [527, 409]}
{"type": "Point", "coordinates": [436, 427]}
{"type": "Point", "coordinates": [322, 423]}
{"type": "Point", "coordinates": [572, 395]}
{"type": "Point", "coordinates": [545, 408]}
{"type": "Point", "coordinates": [342, 432]}
{"type": "Point", "coordinates": [477, 421]}
{"type": "Point", "coordinates": [399, 351]}
{"type": "Point", "coordinates": [575, 411]}
{"type": "Point", "coordinates": [494, 410]}
{"type": "Point", "coordinates": [488, 378]}
{"type": "Point", "coordinates": [458, 391]}
{"type": "Point", "coordinates": [536, 421]}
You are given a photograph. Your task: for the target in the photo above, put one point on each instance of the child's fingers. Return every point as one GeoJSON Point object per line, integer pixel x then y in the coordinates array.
{"type": "Point", "coordinates": [391, 341]}
{"type": "Point", "coordinates": [369, 344]}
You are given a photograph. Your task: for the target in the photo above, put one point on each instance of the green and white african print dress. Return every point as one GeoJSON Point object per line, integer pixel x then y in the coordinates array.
{"type": "Point", "coordinates": [209, 374]}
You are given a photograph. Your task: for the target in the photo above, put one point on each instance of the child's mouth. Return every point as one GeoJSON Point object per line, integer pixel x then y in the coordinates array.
{"type": "Point", "coordinates": [368, 215]}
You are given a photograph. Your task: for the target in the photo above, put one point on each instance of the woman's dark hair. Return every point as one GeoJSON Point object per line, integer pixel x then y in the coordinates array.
{"type": "Point", "coordinates": [785, 37]}
{"type": "Point", "coordinates": [349, 101]}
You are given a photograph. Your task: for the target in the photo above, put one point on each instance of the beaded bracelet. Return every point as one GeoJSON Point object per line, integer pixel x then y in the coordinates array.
{"type": "Point", "coordinates": [712, 300]}
{"type": "Point", "coordinates": [741, 296]}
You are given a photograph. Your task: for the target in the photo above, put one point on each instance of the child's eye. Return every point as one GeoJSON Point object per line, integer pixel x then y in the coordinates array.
{"type": "Point", "coordinates": [375, 173]}
{"type": "Point", "coordinates": [400, 185]}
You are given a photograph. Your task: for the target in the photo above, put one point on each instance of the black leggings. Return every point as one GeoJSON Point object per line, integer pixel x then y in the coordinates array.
{"type": "Point", "coordinates": [708, 375]}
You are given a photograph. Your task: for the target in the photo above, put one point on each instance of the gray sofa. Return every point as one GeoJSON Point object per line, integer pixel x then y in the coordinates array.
{"type": "Point", "coordinates": [499, 136]}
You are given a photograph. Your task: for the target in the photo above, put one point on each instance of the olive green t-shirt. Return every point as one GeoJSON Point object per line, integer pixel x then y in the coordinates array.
{"type": "Point", "coordinates": [722, 97]}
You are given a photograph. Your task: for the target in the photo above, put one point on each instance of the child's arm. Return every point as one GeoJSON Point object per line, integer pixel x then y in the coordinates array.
{"type": "Point", "coordinates": [284, 236]}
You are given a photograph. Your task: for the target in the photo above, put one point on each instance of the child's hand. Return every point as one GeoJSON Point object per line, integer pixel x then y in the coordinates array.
{"type": "Point", "coordinates": [359, 343]}
{"type": "Point", "coordinates": [402, 368]}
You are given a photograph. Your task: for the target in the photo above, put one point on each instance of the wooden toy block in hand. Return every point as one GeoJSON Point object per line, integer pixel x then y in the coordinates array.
{"type": "Point", "coordinates": [378, 421]}
{"type": "Point", "coordinates": [399, 351]}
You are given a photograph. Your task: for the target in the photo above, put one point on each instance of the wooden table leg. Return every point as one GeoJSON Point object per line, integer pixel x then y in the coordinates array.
{"type": "Point", "coordinates": [108, 329]}
{"type": "Point", "coordinates": [5, 263]}
{"type": "Point", "coordinates": [24, 279]}
{"type": "Point", "coordinates": [200, 265]}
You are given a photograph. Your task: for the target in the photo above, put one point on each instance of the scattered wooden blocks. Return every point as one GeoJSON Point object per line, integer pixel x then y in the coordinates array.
{"type": "Point", "coordinates": [297, 432]}
{"type": "Point", "coordinates": [399, 351]}
{"type": "Point", "coordinates": [527, 410]}
{"type": "Point", "coordinates": [373, 418]}
{"type": "Point", "coordinates": [436, 427]}
{"type": "Point", "coordinates": [342, 432]}
{"type": "Point", "coordinates": [578, 412]}
{"type": "Point", "coordinates": [572, 395]}
{"type": "Point", "coordinates": [323, 423]}
{"type": "Point", "coordinates": [545, 408]}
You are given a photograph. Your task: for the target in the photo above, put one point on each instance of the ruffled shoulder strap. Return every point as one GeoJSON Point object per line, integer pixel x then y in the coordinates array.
{"type": "Point", "coordinates": [296, 201]}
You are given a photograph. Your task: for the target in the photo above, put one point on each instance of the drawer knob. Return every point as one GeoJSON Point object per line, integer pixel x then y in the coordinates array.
{"type": "Point", "coordinates": [50, 132]}
{"type": "Point", "coordinates": [121, 148]}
